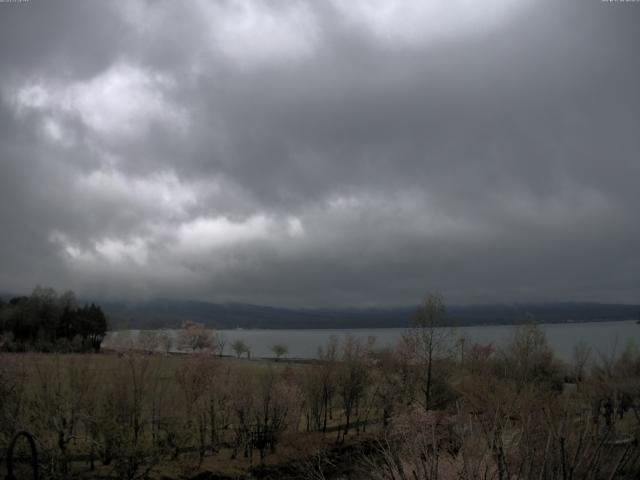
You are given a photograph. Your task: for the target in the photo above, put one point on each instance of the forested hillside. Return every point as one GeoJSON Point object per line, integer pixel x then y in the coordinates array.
{"type": "Point", "coordinates": [166, 313]}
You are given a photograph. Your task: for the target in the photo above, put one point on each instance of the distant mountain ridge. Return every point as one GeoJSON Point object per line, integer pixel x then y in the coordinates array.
{"type": "Point", "coordinates": [171, 314]}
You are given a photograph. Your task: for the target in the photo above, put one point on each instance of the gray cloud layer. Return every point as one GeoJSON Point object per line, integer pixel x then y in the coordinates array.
{"type": "Point", "coordinates": [321, 153]}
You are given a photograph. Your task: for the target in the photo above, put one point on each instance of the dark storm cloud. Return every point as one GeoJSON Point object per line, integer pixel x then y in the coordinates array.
{"type": "Point", "coordinates": [314, 154]}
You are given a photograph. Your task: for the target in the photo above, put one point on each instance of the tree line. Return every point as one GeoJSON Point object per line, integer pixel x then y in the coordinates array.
{"type": "Point", "coordinates": [46, 321]}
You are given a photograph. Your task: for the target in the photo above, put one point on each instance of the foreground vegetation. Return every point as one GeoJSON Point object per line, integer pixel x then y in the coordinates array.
{"type": "Point", "coordinates": [433, 407]}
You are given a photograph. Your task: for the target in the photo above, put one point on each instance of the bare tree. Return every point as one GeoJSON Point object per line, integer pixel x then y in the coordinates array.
{"type": "Point", "coordinates": [277, 397]}
{"type": "Point", "coordinates": [148, 341]}
{"type": "Point", "coordinates": [389, 383]}
{"type": "Point", "coordinates": [196, 337]}
{"type": "Point", "coordinates": [240, 348]}
{"type": "Point", "coordinates": [220, 342]}
{"type": "Point", "coordinates": [320, 385]}
{"type": "Point", "coordinates": [195, 378]}
{"type": "Point", "coordinates": [417, 446]}
{"type": "Point", "coordinates": [166, 341]}
{"type": "Point", "coordinates": [529, 359]}
{"type": "Point", "coordinates": [353, 375]}
{"type": "Point", "coordinates": [316, 466]}
{"type": "Point", "coordinates": [279, 350]}
{"type": "Point", "coordinates": [429, 339]}
{"type": "Point", "coordinates": [62, 401]}
{"type": "Point", "coordinates": [581, 356]}
{"type": "Point", "coordinates": [124, 418]}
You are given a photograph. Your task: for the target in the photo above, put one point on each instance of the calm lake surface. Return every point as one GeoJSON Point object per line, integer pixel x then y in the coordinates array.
{"type": "Point", "coordinates": [603, 337]}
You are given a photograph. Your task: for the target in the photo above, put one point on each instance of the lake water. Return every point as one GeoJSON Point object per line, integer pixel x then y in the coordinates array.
{"type": "Point", "coordinates": [603, 337]}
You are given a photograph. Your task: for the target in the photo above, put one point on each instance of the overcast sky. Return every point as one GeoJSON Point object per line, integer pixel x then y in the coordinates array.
{"type": "Point", "coordinates": [321, 152]}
